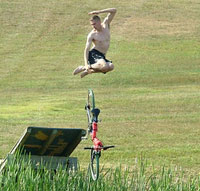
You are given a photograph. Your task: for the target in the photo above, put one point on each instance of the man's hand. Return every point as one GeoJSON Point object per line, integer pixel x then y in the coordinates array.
{"type": "Point", "coordinates": [110, 16]}
{"type": "Point", "coordinates": [88, 69]}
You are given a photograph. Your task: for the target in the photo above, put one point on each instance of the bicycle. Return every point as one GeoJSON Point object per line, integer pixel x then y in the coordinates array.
{"type": "Point", "coordinates": [92, 116]}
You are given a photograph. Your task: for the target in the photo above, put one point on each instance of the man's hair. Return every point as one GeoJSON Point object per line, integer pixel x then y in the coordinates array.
{"type": "Point", "coordinates": [95, 18]}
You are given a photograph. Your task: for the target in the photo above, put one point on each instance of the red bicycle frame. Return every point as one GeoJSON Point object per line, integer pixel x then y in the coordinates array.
{"type": "Point", "coordinates": [97, 143]}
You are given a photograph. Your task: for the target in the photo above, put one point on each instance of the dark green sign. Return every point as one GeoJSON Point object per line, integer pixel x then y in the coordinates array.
{"type": "Point", "coordinates": [44, 141]}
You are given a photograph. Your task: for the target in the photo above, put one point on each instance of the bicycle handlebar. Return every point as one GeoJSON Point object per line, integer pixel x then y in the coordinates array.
{"type": "Point", "coordinates": [104, 148]}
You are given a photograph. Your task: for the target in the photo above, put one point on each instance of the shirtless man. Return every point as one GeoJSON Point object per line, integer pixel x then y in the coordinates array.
{"type": "Point", "coordinates": [95, 60]}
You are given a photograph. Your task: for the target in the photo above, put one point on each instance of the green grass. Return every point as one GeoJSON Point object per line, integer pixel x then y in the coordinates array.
{"type": "Point", "coordinates": [20, 175]}
{"type": "Point", "coordinates": [149, 104]}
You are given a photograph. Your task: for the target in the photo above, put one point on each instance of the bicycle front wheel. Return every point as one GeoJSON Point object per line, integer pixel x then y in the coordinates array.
{"type": "Point", "coordinates": [90, 105]}
{"type": "Point", "coordinates": [91, 100]}
{"type": "Point", "coordinates": [94, 165]}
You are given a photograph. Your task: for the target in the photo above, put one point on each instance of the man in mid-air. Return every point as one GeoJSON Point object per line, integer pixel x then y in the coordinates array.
{"type": "Point", "coordinates": [95, 60]}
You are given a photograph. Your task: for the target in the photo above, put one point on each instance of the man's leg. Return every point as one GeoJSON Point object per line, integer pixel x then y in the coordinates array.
{"type": "Point", "coordinates": [97, 68]}
{"type": "Point", "coordinates": [79, 69]}
{"type": "Point", "coordinates": [86, 72]}
{"type": "Point", "coordinates": [102, 66]}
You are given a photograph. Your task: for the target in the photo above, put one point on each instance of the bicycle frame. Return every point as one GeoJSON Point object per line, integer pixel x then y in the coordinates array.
{"type": "Point", "coordinates": [97, 144]}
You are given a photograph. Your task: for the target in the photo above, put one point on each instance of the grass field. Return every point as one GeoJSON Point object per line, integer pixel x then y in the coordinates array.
{"type": "Point", "coordinates": [150, 103]}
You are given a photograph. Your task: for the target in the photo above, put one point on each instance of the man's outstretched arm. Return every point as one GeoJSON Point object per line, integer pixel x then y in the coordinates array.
{"type": "Point", "coordinates": [110, 16]}
{"type": "Point", "coordinates": [87, 48]}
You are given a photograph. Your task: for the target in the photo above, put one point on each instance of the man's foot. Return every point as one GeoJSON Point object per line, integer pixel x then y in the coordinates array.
{"type": "Point", "coordinates": [78, 70]}
{"type": "Point", "coordinates": [83, 74]}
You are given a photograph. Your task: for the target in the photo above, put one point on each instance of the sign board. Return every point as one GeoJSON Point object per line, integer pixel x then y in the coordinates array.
{"type": "Point", "coordinates": [44, 141]}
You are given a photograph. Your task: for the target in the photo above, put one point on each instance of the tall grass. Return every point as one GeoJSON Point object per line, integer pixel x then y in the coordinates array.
{"type": "Point", "coordinates": [20, 175]}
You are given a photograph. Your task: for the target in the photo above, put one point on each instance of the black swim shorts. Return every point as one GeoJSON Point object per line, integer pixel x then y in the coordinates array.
{"type": "Point", "coordinates": [94, 56]}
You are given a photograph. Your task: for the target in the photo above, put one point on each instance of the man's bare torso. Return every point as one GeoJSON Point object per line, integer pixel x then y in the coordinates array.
{"type": "Point", "coordinates": [101, 39]}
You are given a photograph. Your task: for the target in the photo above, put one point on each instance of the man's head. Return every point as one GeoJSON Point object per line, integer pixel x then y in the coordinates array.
{"type": "Point", "coordinates": [95, 21]}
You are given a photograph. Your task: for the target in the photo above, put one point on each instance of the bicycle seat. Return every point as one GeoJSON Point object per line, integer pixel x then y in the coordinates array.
{"type": "Point", "coordinates": [95, 113]}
